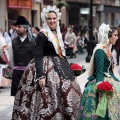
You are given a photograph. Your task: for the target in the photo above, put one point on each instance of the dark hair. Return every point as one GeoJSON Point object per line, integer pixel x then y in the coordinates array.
{"type": "Point", "coordinates": [37, 28]}
{"type": "Point", "coordinates": [111, 31]}
{"type": "Point", "coordinates": [51, 11]}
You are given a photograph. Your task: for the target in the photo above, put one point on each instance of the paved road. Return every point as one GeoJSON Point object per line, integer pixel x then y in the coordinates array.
{"type": "Point", "coordinates": [6, 101]}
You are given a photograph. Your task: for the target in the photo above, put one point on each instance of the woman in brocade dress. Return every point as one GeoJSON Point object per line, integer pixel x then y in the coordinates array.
{"type": "Point", "coordinates": [101, 69]}
{"type": "Point", "coordinates": [48, 89]}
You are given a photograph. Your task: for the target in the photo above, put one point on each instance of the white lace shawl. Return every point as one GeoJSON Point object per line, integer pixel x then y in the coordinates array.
{"type": "Point", "coordinates": [46, 28]}
{"type": "Point", "coordinates": [103, 40]}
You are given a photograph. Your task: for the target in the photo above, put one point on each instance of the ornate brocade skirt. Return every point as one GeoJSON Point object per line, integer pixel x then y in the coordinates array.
{"type": "Point", "coordinates": [60, 98]}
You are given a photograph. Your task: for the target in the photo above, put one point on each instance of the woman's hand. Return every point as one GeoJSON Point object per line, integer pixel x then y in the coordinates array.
{"type": "Point", "coordinates": [42, 82]}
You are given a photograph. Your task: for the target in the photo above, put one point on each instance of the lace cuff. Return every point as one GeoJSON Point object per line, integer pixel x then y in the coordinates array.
{"type": "Point", "coordinates": [35, 80]}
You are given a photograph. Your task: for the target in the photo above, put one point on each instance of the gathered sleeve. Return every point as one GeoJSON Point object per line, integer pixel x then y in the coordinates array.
{"type": "Point", "coordinates": [99, 65]}
{"type": "Point", "coordinates": [39, 50]}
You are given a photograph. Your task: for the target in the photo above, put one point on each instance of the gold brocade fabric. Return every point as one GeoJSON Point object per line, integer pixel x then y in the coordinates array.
{"type": "Point", "coordinates": [59, 49]}
{"type": "Point", "coordinates": [114, 100]}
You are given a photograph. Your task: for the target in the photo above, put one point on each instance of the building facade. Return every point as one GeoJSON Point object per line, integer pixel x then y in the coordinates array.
{"type": "Point", "coordinates": [107, 11]}
{"type": "Point", "coordinates": [8, 14]}
{"type": "Point", "coordinates": [3, 15]}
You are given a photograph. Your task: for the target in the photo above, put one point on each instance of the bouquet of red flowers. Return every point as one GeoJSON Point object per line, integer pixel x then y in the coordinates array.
{"type": "Point", "coordinates": [104, 88]}
{"type": "Point", "coordinates": [7, 72]}
{"type": "Point", "coordinates": [77, 69]}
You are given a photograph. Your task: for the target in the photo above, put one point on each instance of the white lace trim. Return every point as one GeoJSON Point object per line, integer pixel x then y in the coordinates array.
{"type": "Point", "coordinates": [51, 37]}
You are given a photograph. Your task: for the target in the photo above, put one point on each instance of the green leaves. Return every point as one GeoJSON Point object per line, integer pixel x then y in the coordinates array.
{"type": "Point", "coordinates": [77, 69]}
{"type": "Point", "coordinates": [60, 4]}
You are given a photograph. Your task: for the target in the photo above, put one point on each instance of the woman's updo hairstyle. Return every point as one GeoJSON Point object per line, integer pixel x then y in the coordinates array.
{"type": "Point", "coordinates": [112, 29]}
{"type": "Point", "coordinates": [51, 11]}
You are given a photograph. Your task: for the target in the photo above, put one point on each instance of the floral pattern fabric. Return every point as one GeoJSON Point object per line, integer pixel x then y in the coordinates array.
{"type": "Point", "coordinates": [114, 100]}
{"type": "Point", "coordinates": [90, 97]}
{"type": "Point", "coordinates": [59, 100]}
{"type": "Point", "coordinates": [89, 102]}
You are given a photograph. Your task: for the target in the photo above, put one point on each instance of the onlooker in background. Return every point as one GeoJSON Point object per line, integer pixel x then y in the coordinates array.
{"type": "Point", "coordinates": [4, 58]}
{"type": "Point", "coordinates": [7, 37]}
{"type": "Point", "coordinates": [35, 31]}
{"type": "Point", "coordinates": [21, 51]}
{"type": "Point", "coordinates": [70, 42]}
{"type": "Point", "coordinates": [63, 31]}
{"type": "Point", "coordinates": [95, 37]}
{"type": "Point", "coordinates": [85, 39]}
{"type": "Point", "coordinates": [62, 27]}
{"type": "Point", "coordinates": [12, 30]}
{"type": "Point", "coordinates": [80, 43]}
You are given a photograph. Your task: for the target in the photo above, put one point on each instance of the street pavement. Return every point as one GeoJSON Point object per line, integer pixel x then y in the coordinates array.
{"type": "Point", "coordinates": [7, 101]}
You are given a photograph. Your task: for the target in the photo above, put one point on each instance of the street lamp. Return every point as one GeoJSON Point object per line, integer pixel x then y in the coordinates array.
{"type": "Point", "coordinates": [90, 44]}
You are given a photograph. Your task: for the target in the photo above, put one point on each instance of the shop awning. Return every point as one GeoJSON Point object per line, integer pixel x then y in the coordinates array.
{"type": "Point", "coordinates": [19, 4]}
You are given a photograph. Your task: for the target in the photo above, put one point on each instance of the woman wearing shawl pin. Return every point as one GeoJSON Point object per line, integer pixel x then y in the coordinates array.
{"type": "Point", "coordinates": [48, 89]}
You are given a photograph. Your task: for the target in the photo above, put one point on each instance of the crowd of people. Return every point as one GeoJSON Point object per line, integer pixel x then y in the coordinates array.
{"type": "Point", "coordinates": [44, 85]}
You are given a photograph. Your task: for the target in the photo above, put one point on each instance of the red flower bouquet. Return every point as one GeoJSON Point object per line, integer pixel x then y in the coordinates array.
{"type": "Point", "coordinates": [77, 69]}
{"type": "Point", "coordinates": [104, 88]}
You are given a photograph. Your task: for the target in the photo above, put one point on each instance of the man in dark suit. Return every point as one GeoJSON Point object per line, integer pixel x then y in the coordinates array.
{"type": "Point", "coordinates": [23, 50]}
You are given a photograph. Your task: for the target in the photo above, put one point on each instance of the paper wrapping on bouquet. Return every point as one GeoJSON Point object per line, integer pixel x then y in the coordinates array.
{"type": "Point", "coordinates": [7, 72]}
{"type": "Point", "coordinates": [77, 69]}
{"type": "Point", "coordinates": [77, 72]}
{"type": "Point", "coordinates": [102, 106]}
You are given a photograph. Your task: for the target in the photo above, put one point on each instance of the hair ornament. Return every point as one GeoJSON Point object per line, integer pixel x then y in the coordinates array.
{"type": "Point", "coordinates": [110, 30]}
{"type": "Point", "coordinates": [46, 15]}
{"type": "Point", "coordinates": [45, 12]}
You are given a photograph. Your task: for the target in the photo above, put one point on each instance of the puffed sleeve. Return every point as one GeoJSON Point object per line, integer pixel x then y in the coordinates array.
{"type": "Point", "coordinates": [39, 50]}
{"type": "Point", "coordinates": [99, 65]}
